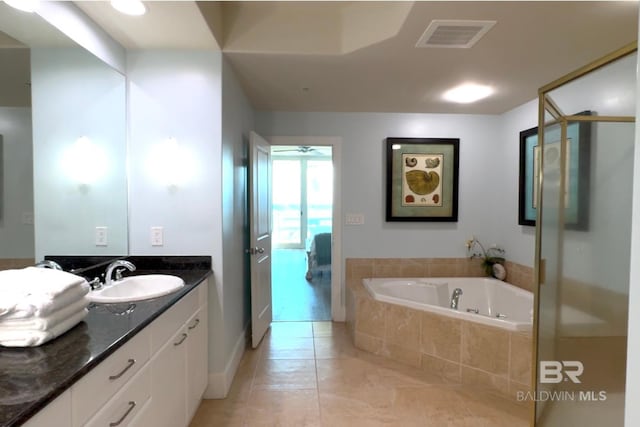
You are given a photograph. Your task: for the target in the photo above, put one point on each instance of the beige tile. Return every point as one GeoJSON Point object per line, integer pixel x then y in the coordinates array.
{"type": "Point", "coordinates": [339, 346]}
{"type": "Point", "coordinates": [369, 408]}
{"type": "Point", "coordinates": [441, 336]}
{"type": "Point", "coordinates": [402, 327]}
{"type": "Point", "coordinates": [520, 358]}
{"type": "Point", "coordinates": [219, 412]}
{"type": "Point", "coordinates": [401, 354]}
{"type": "Point", "coordinates": [443, 269]}
{"type": "Point", "coordinates": [358, 268]}
{"type": "Point", "coordinates": [292, 329]}
{"type": "Point", "coordinates": [370, 316]}
{"type": "Point", "coordinates": [328, 329]}
{"type": "Point", "coordinates": [368, 343]}
{"type": "Point", "coordinates": [500, 411]}
{"type": "Point", "coordinates": [485, 348]}
{"type": "Point", "coordinates": [448, 370]}
{"type": "Point", "coordinates": [356, 389]}
{"type": "Point", "coordinates": [445, 406]}
{"type": "Point", "coordinates": [290, 408]}
{"type": "Point", "coordinates": [285, 374]}
{"type": "Point", "coordinates": [288, 348]}
{"type": "Point", "coordinates": [485, 380]}
{"type": "Point", "coordinates": [388, 267]}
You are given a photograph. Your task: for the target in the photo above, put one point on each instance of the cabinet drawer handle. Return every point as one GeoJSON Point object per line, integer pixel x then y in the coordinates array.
{"type": "Point", "coordinates": [130, 363]}
{"type": "Point", "coordinates": [194, 324]}
{"type": "Point", "coordinates": [132, 405]}
{"type": "Point", "coordinates": [184, 337]}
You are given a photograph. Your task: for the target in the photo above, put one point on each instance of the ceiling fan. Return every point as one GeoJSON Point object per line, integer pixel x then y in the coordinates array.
{"type": "Point", "coordinates": [303, 149]}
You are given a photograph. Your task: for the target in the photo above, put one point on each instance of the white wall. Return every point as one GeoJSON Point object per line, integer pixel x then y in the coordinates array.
{"type": "Point", "coordinates": [74, 94]}
{"type": "Point", "coordinates": [16, 237]}
{"type": "Point", "coordinates": [481, 187]}
{"type": "Point", "coordinates": [632, 396]}
{"type": "Point", "coordinates": [519, 240]}
{"type": "Point", "coordinates": [178, 94]}
{"type": "Point", "coordinates": [237, 122]}
{"type": "Point", "coordinates": [175, 94]}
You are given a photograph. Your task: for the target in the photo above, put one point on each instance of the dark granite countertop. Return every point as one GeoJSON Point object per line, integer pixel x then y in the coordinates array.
{"type": "Point", "coordinates": [31, 378]}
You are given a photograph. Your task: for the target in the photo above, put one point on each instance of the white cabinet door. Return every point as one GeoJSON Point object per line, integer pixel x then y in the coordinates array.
{"type": "Point", "coordinates": [59, 411]}
{"type": "Point", "coordinates": [197, 360]}
{"type": "Point", "coordinates": [168, 371]}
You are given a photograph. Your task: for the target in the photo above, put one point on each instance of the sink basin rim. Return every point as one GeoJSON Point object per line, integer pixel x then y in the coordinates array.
{"type": "Point", "coordinates": [137, 288]}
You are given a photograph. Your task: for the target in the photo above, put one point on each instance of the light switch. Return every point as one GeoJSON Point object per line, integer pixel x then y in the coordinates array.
{"type": "Point", "coordinates": [157, 238]}
{"type": "Point", "coordinates": [354, 219]}
{"type": "Point", "coordinates": [101, 236]}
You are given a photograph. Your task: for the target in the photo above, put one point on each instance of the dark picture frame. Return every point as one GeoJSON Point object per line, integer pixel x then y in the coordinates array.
{"type": "Point", "coordinates": [422, 179]}
{"type": "Point", "coordinates": [578, 177]}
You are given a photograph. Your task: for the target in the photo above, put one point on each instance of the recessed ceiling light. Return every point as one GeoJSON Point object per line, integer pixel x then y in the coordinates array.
{"type": "Point", "coordinates": [467, 93]}
{"type": "Point", "coordinates": [129, 7]}
{"type": "Point", "coordinates": [24, 5]}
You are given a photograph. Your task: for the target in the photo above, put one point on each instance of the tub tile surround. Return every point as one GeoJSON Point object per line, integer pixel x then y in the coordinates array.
{"type": "Point", "coordinates": [11, 263]}
{"type": "Point", "coordinates": [458, 350]}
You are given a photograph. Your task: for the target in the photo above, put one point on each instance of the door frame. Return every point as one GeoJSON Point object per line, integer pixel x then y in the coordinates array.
{"type": "Point", "coordinates": [338, 309]}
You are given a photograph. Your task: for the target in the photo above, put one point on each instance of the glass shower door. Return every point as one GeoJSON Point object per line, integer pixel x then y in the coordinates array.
{"type": "Point", "coordinates": [583, 246]}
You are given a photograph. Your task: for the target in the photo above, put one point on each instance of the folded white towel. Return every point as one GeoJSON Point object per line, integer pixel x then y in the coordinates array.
{"type": "Point", "coordinates": [31, 338]}
{"type": "Point", "coordinates": [41, 306]}
{"type": "Point", "coordinates": [43, 283]}
{"type": "Point", "coordinates": [34, 280]}
{"type": "Point", "coordinates": [44, 323]}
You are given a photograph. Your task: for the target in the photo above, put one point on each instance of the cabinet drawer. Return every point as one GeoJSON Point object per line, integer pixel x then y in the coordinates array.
{"type": "Point", "coordinates": [173, 319]}
{"type": "Point", "coordinates": [122, 409]}
{"type": "Point", "coordinates": [94, 390]}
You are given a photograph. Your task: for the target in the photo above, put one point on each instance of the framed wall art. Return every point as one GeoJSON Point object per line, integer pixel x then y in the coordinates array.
{"type": "Point", "coordinates": [422, 179]}
{"type": "Point", "coordinates": [577, 164]}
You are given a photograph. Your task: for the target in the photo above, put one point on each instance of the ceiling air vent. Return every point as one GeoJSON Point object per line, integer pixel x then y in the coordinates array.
{"type": "Point", "coordinates": [454, 33]}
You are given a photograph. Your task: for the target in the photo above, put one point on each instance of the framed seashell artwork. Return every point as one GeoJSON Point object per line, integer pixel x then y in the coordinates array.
{"type": "Point", "coordinates": [576, 165]}
{"type": "Point", "coordinates": [422, 179]}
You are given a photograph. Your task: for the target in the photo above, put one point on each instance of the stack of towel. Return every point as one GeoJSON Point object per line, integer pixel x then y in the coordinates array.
{"type": "Point", "coordinates": [39, 304]}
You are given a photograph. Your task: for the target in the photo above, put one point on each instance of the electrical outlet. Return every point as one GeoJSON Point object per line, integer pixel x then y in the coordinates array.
{"type": "Point", "coordinates": [354, 219]}
{"type": "Point", "coordinates": [157, 238]}
{"type": "Point", "coordinates": [101, 236]}
{"type": "Point", "coordinates": [27, 218]}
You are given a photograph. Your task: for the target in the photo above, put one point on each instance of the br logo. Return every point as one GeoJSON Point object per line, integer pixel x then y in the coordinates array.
{"type": "Point", "coordinates": [553, 372]}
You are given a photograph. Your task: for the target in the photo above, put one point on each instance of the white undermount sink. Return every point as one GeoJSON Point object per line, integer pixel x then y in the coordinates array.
{"type": "Point", "coordinates": [136, 288]}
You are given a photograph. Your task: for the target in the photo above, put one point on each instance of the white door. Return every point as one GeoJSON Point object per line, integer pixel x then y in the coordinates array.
{"type": "Point", "coordinates": [260, 239]}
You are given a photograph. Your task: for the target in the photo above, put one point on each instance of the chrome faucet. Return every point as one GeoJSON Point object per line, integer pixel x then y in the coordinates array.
{"type": "Point", "coordinates": [455, 297]}
{"type": "Point", "coordinates": [115, 266]}
{"type": "Point", "coordinates": [47, 263]}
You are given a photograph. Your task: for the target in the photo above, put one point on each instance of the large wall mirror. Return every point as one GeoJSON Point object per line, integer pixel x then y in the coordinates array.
{"type": "Point", "coordinates": [63, 127]}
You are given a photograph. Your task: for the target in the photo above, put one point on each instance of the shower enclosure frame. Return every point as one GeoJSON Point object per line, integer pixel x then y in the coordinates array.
{"type": "Point", "coordinates": [546, 105]}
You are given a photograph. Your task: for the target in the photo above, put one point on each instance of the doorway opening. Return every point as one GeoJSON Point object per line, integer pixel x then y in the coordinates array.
{"type": "Point", "coordinates": [302, 212]}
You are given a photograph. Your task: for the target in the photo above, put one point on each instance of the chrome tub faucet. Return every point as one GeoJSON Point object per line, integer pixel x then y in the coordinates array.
{"type": "Point", "coordinates": [455, 298]}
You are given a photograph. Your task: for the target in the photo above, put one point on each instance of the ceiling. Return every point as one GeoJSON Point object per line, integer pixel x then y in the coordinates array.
{"type": "Point", "coordinates": [361, 56]}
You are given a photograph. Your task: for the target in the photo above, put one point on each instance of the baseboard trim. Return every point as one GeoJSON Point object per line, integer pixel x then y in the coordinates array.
{"type": "Point", "coordinates": [220, 382]}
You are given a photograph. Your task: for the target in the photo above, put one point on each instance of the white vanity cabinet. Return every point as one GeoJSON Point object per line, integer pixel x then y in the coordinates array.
{"type": "Point", "coordinates": [155, 379]}
{"type": "Point", "coordinates": [179, 368]}
{"type": "Point", "coordinates": [58, 410]}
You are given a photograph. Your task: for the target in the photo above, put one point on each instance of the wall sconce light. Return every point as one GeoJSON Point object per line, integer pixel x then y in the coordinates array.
{"type": "Point", "coordinates": [171, 163]}
{"type": "Point", "coordinates": [85, 162]}
{"type": "Point", "coordinates": [129, 7]}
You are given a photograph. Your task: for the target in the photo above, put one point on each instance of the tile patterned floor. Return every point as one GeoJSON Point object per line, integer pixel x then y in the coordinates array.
{"type": "Point", "coordinates": [309, 374]}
